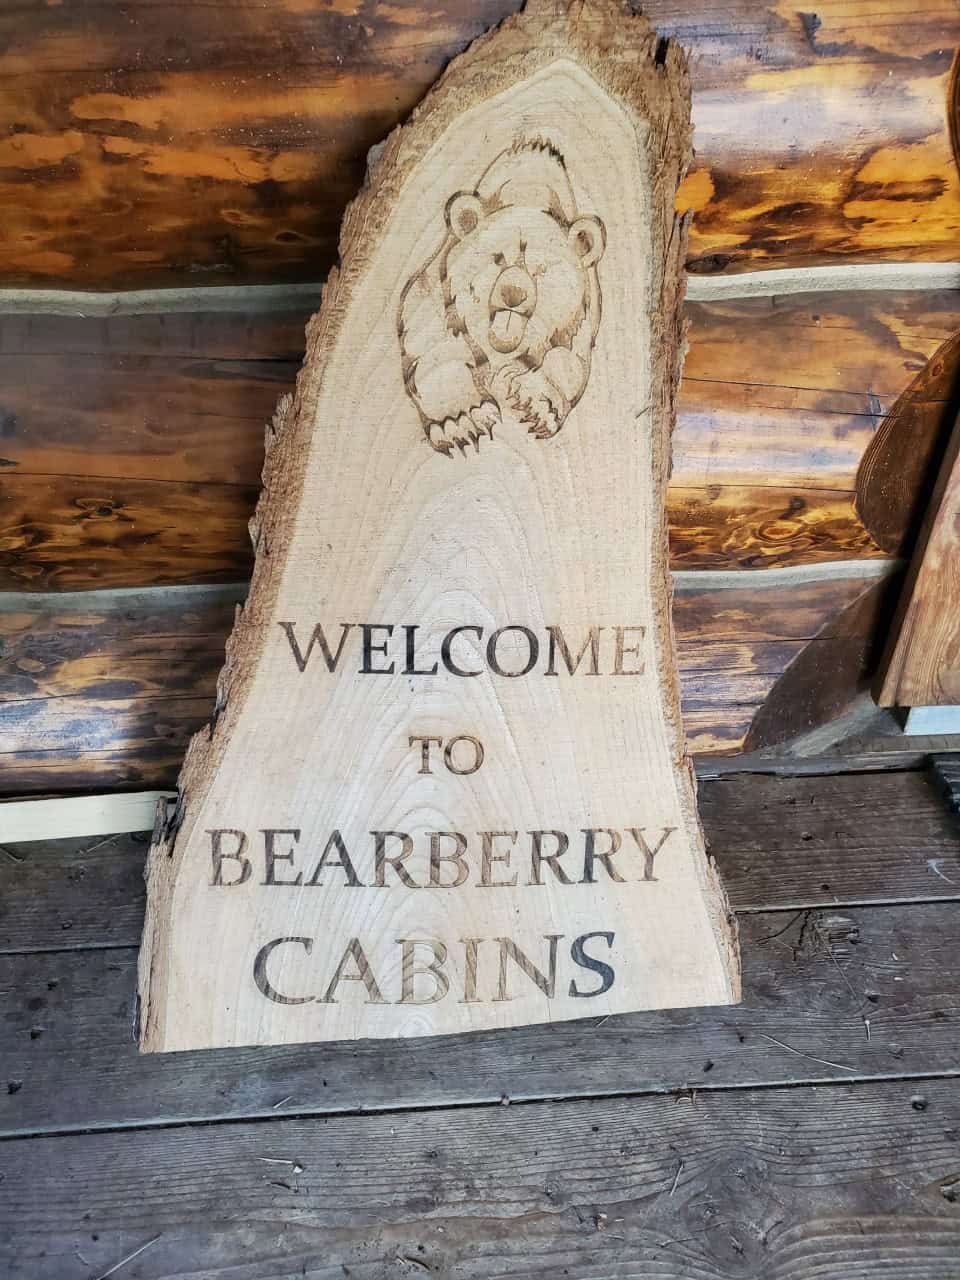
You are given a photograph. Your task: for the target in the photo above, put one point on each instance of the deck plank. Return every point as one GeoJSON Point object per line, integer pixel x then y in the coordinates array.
{"type": "Point", "coordinates": [786, 1184]}
{"type": "Point", "coordinates": [780, 843]}
{"type": "Point", "coordinates": [839, 994]}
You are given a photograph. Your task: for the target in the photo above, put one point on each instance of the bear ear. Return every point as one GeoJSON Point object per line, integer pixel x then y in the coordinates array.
{"type": "Point", "coordinates": [588, 239]}
{"type": "Point", "coordinates": [464, 212]}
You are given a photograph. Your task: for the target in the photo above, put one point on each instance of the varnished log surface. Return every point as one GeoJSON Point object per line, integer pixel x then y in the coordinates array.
{"type": "Point", "coordinates": [164, 144]}
{"type": "Point", "coordinates": [781, 843]}
{"type": "Point", "coordinates": [899, 468]}
{"type": "Point", "coordinates": [798, 1183]}
{"type": "Point", "coordinates": [922, 665]}
{"type": "Point", "coordinates": [104, 689]}
{"type": "Point", "coordinates": [131, 446]}
{"type": "Point", "coordinates": [823, 681]}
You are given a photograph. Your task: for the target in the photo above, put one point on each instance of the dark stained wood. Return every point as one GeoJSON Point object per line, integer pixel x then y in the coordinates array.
{"type": "Point", "coordinates": [921, 666]}
{"type": "Point", "coordinates": [945, 775]}
{"type": "Point", "coordinates": [189, 418]}
{"type": "Point", "coordinates": [780, 843]}
{"type": "Point", "coordinates": [76, 893]}
{"type": "Point", "coordinates": [115, 644]}
{"type": "Point", "coordinates": [131, 446]}
{"type": "Point", "coordinates": [59, 744]}
{"type": "Point", "coordinates": [251, 330]}
{"type": "Point", "coordinates": [842, 1181]}
{"type": "Point", "coordinates": [845, 839]}
{"type": "Point", "coordinates": [763, 527]}
{"type": "Point", "coordinates": [841, 344]}
{"type": "Point", "coordinates": [104, 689]}
{"type": "Point", "coordinates": [900, 465]}
{"type": "Point", "coordinates": [825, 678]}
{"type": "Point", "coordinates": [170, 144]}
{"type": "Point", "coordinates": [73, 532]}
{"type": "Point", "coordinates": [149, 757]}
{"type": "Point", "coordinates": [855, 992]}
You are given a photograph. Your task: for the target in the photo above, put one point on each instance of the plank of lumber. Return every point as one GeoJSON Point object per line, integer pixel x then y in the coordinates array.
{"type": "Point", "coordinates": [72, 893]}
{"type": "Point", "coordinates": [884, 1003]}
{"type": "Point", "coordinates": [900, 466]}
{"type": "Point", "coordinates": [97, 412]}
{"type": "Point", "coordinates": [56, 817]}
{"type": "Point", "coordinates": [260, 128]}
{"type": "Point", "coordinates": [799, 1182]}
{"type": "Point", "coordinates": [780, 843]}
{"type": "Point", "coordinates": [922, 665]}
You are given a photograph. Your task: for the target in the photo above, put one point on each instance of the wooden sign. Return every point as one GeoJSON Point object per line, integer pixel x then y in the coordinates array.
{"type": "Point", "coordinates": [445, 787]}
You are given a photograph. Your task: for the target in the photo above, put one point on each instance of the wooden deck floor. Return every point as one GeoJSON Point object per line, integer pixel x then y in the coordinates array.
{"type": "Point", "coordinates": [812, 1133]}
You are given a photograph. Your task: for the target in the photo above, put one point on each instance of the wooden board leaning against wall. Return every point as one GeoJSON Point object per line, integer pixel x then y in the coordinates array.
{"type": "Point", "coordinates": [921, 667]}
{"type": "Point", "coordinates": [220, 143]}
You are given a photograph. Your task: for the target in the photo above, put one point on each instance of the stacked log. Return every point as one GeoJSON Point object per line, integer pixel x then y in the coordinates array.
{"type": "Point", "coordinates": [811, 421]}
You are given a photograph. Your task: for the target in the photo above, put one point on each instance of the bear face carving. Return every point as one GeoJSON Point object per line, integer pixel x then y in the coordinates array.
{"type": "Point", "coordinates": [503, 317]}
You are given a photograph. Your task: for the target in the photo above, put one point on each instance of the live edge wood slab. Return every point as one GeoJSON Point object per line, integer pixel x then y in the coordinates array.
{"type": "Point", "coordinates": [397, 823]}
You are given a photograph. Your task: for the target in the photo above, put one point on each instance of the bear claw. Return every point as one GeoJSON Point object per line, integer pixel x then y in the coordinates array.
{"type": "Point", "coordinates": [464, 430]}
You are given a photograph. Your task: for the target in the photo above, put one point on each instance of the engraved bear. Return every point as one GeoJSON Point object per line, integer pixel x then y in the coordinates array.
{"type": "Point", "coordinates": [503, 317]}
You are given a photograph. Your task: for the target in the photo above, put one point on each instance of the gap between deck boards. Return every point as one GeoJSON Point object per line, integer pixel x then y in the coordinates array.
{"type": "Point", "coordinates": [480, 1104]}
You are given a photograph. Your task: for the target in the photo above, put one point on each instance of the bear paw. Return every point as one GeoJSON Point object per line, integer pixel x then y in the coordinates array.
{"type": "Point", "coordinates": [464, 430]}
{"type": "Point", "coordinates": [540, 416]}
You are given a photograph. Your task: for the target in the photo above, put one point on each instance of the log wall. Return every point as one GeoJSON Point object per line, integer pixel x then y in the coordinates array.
{"type": "Point", "coordinates": [163, 144]}
{"type": "Point", "coordinates": [198, 146]}
{"type": "Point", "coordinates": [132, 446]}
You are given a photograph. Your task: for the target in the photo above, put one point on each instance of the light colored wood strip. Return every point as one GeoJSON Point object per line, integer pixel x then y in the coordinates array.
{"type": "Point", "coordinates": [254, 299]}
{"type": "Point", "coordinates": [922, 721]}
{"type": "Point", "coordinates": [58, 817]}
{"type": "Point", "coordinates": [793, 280]}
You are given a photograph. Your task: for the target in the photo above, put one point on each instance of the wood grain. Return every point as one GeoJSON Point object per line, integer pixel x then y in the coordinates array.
{"type": "Point", "coordinates": [900, 466]}
{"type": "Point", "coordinates": [67, 533]}
{"type": "Point", "coordinates": [813, 980]}
{"type": "Point", "coordinates": [945, 777]}
{"type": "Point", "coordinates": [781, 843]}
{"type": "Point", "coordinates": [824, 680]}
{"type": "Point", "coordinates": [465, 452]}
{"type": "Point", "coordinates": [217, 143]}
{"type": "Point", "coordinates": [131, 446]}
{"type": "Point", "coordinates": [104, 690]}
{"type": "Point", "coordinates": [839, 1180]}
{"type": "Point", "coordinates": [922, 665]}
